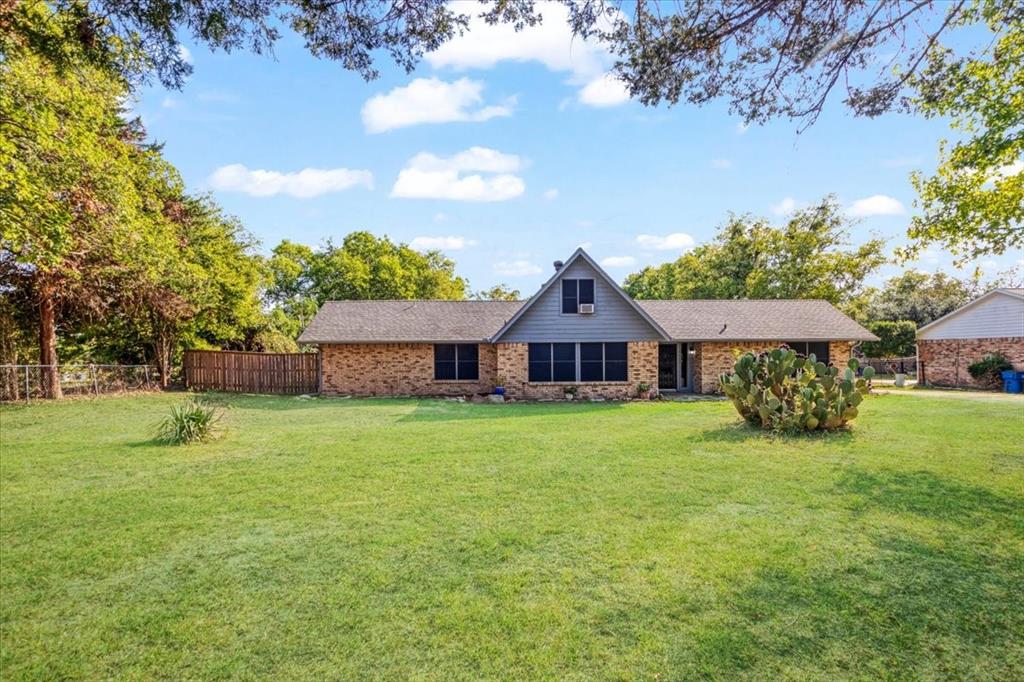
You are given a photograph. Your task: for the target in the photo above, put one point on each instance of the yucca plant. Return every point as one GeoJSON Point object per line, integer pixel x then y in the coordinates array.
{"type": "Point", "coordinates": [188, 422]}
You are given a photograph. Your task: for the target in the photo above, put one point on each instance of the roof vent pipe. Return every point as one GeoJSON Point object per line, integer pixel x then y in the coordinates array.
{"type": "Point", "coordinates": [558, 265]}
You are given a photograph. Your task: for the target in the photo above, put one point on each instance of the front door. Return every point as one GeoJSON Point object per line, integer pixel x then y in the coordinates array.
{"type": "Point", "coordinates": [667, 367]}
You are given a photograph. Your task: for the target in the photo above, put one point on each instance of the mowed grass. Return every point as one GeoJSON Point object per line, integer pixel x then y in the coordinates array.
{"type": "Point", "coordinates": [426, 539]}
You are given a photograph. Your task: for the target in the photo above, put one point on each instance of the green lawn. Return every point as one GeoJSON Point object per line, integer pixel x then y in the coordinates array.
{"type": "Point", "coordinates": [429, 539]}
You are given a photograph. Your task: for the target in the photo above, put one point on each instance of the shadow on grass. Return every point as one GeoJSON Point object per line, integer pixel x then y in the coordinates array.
{"type": "Point", "coordinates": [740, 431]}
{"type": "Point", "coordinates": [925, 494]}
{"type": "Point", "coordinates": [908, 609]}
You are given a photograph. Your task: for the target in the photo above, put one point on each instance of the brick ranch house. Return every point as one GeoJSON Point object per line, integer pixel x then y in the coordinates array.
{"type": "Point", "coordinates": [580, 329]}
{"type": "Point", "coordinates": [993, 323]}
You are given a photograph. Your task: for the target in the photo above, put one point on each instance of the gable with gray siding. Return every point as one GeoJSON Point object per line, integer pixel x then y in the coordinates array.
{"type": "Point", "coordinates": [997, 314]}
{"type": "Point", "coordinates": [614, 319]}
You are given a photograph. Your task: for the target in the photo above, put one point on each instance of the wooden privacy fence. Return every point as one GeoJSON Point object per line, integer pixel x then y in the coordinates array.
{"type": "Point", "coordinates": [241, 372]}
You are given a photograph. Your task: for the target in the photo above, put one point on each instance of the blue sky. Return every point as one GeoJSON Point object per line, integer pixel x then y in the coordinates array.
{"type": "Point", "coordinates": [509, 151]}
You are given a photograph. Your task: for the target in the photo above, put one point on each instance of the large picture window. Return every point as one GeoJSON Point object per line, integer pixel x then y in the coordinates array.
{"type": "Point", "coordinates": [557, 362]}
{"type": "Point", "coordinates": [576, 292]}
{"type": "Point", "coordinates": [456, 362]}
{"type": "Point", "coordinates": [805, 348]}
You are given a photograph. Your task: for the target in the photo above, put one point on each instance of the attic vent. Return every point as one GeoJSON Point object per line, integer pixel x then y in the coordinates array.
{"type": "Point", "coordinates": [586, 308]}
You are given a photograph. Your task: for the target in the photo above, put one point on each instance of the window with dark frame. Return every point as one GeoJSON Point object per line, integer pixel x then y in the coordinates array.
{"type": "Point", "coordinates": [805, 348]}
{"type": "Point", "coordinates": [598, 361]}
{"type": "Point", "coordinates": [574, 293]}
{"type": "Point", "coordinates": [456, 362]}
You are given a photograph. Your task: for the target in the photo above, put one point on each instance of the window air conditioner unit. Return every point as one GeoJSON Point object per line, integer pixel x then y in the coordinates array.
{"type": "Point", "coordinates": [586, 308]}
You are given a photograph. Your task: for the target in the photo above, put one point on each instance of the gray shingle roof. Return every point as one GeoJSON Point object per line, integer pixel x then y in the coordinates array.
{"type": "Point", "coordinates": [426, 321]}
{"type": "Point", "coordinates": [782, 320]}
{"type": "Point", "coordinates": [398, 321]}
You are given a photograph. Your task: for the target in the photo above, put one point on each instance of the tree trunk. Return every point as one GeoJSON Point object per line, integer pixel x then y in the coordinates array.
{"type": "Point", "coordinates": [163, 360]}
{"type": "Point", "coordinates": [164, 338]}
{"type": "Point", "coordinates": [48, 347]}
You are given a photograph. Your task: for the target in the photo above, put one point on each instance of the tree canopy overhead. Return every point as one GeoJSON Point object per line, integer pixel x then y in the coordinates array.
{"type": "Point", "coordinates": [974, 203]}
{"type": "Point", "coordinates": [768, 58]}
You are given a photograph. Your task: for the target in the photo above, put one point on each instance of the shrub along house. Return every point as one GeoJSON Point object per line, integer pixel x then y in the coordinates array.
{"type": "Point", "coordinates": [580, 329]}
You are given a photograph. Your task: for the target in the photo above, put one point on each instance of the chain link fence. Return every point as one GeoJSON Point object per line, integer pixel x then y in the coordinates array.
{"type": "Point", "coordinates": [888, 366]}
{"type": "Point", "coordinates": [25, 382]}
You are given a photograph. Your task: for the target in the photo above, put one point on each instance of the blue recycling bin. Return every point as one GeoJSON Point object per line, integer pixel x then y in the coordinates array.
{"type": "Point", "coordinates": [1012, 381]}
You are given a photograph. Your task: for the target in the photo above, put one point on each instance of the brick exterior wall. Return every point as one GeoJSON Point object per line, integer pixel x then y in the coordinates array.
{"type": "Point", "coordinates": [943, 362]}
{"type": "Point", "coordinates": [408, 369]}
{"type": "Point", "coordinates": [396, 369]}
{"type": "Point", "coordinates": [712, 359]}
{"type": "Point", "coordinates": [513, 368]}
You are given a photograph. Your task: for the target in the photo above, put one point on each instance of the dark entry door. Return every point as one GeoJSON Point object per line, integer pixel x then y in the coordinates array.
{"type": "Point", "coordinates": [667, 366]}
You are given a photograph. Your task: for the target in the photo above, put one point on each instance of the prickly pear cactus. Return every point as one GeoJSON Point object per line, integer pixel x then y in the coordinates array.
{"type": "Point", "coordinates": [783, 391]}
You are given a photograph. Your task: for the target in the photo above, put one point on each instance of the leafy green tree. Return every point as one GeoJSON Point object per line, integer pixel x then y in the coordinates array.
{"type": "Point", "coordinates": [207, 294]}
{"type": "Point", "coordinates": [363, 267]}
{"type": "Point", "coordinates": [897, 339]}
{"type": "Point", "coordinates": [808, 257]}
{"type": "Point", "coordinates": [920, 297]}
{"type": "Point", "coordinates": [499, 292]}
{"type": "Point", "coordinates": [70, 213]}
{"type": "Point", "coordinates": [98, 238]}
{"type": "Point", "coordinates": [974, 203]}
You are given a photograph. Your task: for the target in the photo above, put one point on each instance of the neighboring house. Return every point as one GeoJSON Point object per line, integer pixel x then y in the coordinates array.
{"type": "Point", "coordinates": [993, 323]}
{"type": "Point", "coordinates": [580, 329]}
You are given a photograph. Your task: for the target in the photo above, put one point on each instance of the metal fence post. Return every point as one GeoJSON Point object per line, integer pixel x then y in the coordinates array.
{"type": "Point", "coordinates": [95, 383]}
{"type": "Point", "coordinates": [26, 384]}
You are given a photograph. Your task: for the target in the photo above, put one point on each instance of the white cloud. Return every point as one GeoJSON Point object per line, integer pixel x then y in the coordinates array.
{"type": "Point", "coordinates": [742, 128]}
{"type": "Point", "coordinates": [618, 261]}
{"type": "Point", "coordinates": [169, 102]}
{"type": "Point", "coordinates": [1009, 170]}
{"type": "Point", "coordinates": [449, 243]}
{"type": "Point", "coordinates": [440, 218]}
{"type": "Point", "coordinates": [551, 194]}
{"type": "Point", "coordinates": [677, 241]}
{"type": "Point", "coordinates": [308, 182]}
{"type": "Point", "coordinates": [427, 176]}
{"type": "Point", "coordinates": [184, 53]}
{"type": "Point", "coordinates": [877, 204]}
{"type": "Point", "coordinates": [604, 91]}
{"type": "Point", "coordinates": [516, 268]}
{"type": "Point", "coordinates": [787, 206]}
{"type": "Point", "coordinates": [721, 164]}
{"type": "Point", "coordinates": [430, 100]}
{"type": "Point", "coordinates": [586, 245]}
{"type": "Point", "coordinates": [551, 43]}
